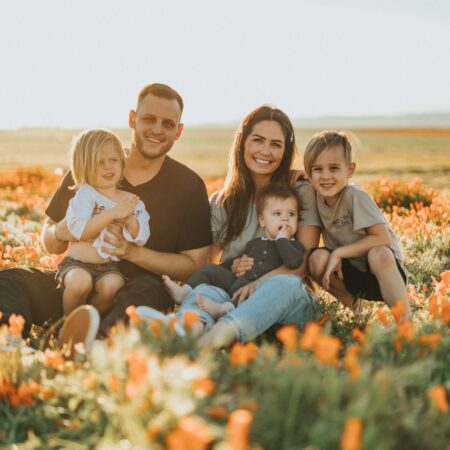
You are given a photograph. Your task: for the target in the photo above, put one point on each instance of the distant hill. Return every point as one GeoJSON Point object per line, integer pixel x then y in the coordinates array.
{"type": "Point", "coordinates": [432, 120]}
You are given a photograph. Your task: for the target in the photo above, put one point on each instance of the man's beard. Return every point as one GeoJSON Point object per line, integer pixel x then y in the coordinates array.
{"type": "Point", "coordinates": [150, 154]}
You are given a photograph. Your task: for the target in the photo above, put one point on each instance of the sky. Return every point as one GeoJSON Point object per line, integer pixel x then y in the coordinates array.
{"type": "Point", "coordinates": [81, 63]}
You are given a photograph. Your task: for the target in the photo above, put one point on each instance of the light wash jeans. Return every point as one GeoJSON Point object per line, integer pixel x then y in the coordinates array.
{"type": "Point", "coordinates": [279, 299]}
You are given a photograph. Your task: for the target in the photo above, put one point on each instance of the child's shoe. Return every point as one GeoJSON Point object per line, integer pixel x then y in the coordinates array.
{"type": "Point", "coordinates": [81, 326]}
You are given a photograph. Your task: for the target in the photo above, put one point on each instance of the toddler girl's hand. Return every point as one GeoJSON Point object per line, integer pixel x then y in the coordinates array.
{"type": "Point", "coordinates": [125, 208]}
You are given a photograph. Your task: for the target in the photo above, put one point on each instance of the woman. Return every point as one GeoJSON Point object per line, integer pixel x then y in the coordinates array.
{"type": "Point", "coordinates": [264, 151]}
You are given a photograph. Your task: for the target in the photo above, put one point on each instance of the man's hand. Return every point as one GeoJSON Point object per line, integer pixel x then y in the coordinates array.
{"type": "Point", "coordinates": [242, 265]}
{"type": "Point", "coordinates": [334, 266]}
{"type": "Point", "coordinates": [244, 292]}
{"type": "Point", "coordinates": [121, 247]}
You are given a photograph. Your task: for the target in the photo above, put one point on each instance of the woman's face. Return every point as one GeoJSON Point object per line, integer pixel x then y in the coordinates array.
{"type": "Point", "coordinates": [264, 148]}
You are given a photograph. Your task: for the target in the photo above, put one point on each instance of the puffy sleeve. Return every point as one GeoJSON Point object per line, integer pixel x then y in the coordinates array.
{"type": "Point", "coordinates": [143, 219]}
{"type": "Point", "coordinates": [309, 215]}
{"type": "Point", "coordinates": [79, 211]}
{"type": "Point", "coordinates": [218, 218]}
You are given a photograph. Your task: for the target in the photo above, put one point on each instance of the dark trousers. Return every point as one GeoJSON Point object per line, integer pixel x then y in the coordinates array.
{"type": "Point", "coordinates": [219, 276]}
{"type": "Point", "coordinates": [32, 293]}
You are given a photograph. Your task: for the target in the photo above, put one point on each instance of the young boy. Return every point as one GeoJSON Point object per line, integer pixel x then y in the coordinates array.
{"type": "Point", "coordinates": [277, 208]}
{"type": "Point", "coordinates": [361, 258]}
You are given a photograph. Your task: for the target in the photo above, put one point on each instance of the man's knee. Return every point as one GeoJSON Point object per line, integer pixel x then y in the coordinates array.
{"type": "Point", "coordinates": [380, 258]}
{"type": "Point", "coordinates": [318, 261]}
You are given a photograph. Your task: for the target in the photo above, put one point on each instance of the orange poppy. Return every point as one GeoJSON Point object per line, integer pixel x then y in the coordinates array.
{"type": "Point", "coordinates": [190, 317]}
{"type": "Point", "coordinates": [310, 336]}
{"type": "Point", "coordinates": [288, 336]}
{"type": "Point", "coordinates": [242, 354]}
{"type": "Point", "coordinates": [438, 395]}
{"type": "Point", "coordinates": [238, 429]}
{"type": "Point", "coordinates": [327, 350]}
{"type": "Point", "coordinates": [352, 436]}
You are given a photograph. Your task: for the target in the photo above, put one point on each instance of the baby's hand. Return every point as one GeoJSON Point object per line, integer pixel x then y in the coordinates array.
{"type": "Point", "coordinates": [284, 232]}
{"type": "Point", "coordinates": [125, 208]}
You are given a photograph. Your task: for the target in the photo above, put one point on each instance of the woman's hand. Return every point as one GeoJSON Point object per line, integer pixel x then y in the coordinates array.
{"type": "Point", "coordinates": [244, 292]}
{"type": "Point", "coordinates": [121, 247]}
{"type": "Point", "coordinates": [242, 265]}
{"type": "Point", "coordinates": [296, 175]}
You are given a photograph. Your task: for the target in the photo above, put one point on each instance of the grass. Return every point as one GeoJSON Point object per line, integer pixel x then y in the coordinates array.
{"type": "Point", "coordinates": [400, 154]}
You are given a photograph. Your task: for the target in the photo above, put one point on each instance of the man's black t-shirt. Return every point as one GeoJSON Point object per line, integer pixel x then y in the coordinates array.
{"type": "Point", "coordinates": [176, 200]}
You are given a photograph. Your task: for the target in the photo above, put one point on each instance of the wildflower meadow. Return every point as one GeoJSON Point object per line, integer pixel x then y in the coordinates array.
{"type": "Point", "coordinates": [363, 380]}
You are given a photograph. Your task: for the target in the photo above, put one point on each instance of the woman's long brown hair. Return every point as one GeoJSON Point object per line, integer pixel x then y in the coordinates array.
{"type": "Point", "coordinates": [239, 189]}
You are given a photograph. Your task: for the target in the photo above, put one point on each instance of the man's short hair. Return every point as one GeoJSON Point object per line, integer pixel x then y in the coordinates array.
{"type": "Point", "coordinates": [162, 91]}
{"type": "Point", "coordinates": [274, 190]}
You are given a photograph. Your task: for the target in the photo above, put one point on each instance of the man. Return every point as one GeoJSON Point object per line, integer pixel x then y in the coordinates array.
{"type": "Point", "coordinates": [176, 200]}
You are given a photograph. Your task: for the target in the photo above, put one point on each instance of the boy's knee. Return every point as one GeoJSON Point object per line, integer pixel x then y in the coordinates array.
{"type": "Point", "coordinates": [380, 258]}
{"type": "Point", "coordinates": [318, 261]}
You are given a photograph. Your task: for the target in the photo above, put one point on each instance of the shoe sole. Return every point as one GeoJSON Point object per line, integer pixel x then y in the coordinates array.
{"type": "Point", "coordinates": [81, 326]}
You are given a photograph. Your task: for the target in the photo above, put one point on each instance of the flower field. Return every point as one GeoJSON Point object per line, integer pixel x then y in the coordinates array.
{"type": "Point", "coordinates": [367, 380]}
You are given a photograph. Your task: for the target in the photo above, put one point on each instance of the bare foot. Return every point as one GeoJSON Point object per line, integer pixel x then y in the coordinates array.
{"type": "Point", "coordinates": [177, 292]}
{"type": "Point", "coordinates": [214, 309]}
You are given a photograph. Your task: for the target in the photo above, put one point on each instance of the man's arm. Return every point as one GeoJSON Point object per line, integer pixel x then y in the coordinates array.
{"type": "Point", "coordinates": [179, 266]}
{"type": "Point", "coordinates": [55, 237]}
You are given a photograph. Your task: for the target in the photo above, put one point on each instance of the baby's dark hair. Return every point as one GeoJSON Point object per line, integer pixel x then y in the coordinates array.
{"type": "Point", "coordinates": [275, 190]}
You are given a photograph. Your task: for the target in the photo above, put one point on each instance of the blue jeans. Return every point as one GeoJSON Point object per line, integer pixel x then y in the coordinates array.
{"type": "Point", "coordinates": [279, 299]}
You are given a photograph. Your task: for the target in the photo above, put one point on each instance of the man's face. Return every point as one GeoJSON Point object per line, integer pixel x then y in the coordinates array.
{"type": "Point", "coordinates": [156, 125]}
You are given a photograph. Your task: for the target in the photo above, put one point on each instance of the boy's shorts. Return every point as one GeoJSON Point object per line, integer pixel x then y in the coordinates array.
{"type": "Point", "coordinates": [363, 284]}
{"type": "Point", "coordinates": [96, 271]}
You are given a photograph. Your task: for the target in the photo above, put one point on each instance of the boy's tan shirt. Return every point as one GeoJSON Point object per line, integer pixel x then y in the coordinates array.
{"type": "Point", "coordinates": [345, 222]}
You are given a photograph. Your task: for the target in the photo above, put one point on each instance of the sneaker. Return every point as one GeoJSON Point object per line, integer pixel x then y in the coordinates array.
{"type": "Point", "coordinates": [149, 314]}
{"type": "Point", "coordinates": [81, 326]}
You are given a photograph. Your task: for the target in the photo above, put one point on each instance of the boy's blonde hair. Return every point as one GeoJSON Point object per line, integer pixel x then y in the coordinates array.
{"type": "Point", "coordinates": [325, 140]}
{"type": "Point", "coordinates": [85, 153]}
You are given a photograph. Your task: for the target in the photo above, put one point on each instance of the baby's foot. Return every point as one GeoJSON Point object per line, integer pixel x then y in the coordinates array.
{"type": "Point", "coordinates": [177, 292]}
{"type": "Point", "coordinates": [214, 309]}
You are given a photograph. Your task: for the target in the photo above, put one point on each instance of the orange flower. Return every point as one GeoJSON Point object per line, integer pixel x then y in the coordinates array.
{"type": "Point", "coordinates": [131, 313]}
{"type": "Point", "coordinates": [327, 350]}
{"type": "Point", "coordinates": [445, 277]}
{"type": "Point", "coordinates": [114, 383]}
{"type": "Point", "coordinates": [217, 412]}
{"type": "Point", "coordinates": [16, 323]}
{"type": "Point", "coordinates": [431, 340]}
{"type": "Point", "coordinates": [53, 358]}
{"type": "Point", "coordinates": [190, 434]}
{"type": "Point", "coordinates": [433, 306]}
{"type": "Point", "coordinates": [190, 317]}
{"type": "Point", "coordinates": [446, 312]}
{"type": "Point", "coordinates": [351, 361]}
{"type": "Point", "coordinates": [439, 397]}
{"type": "Point", "coordinates": [405, 330]}
{"type": "Point", "coordinates": [203, 386]}
{"type": "Point", "coordinates": [359, 335]}
{"type": "Point", "coordinates": [242, 354]}
{"type": "Point", "coordinates": [352, 436]}
{"type": "Point", "coordinates": [310, 336]}
{"type": "Point", "coordinates": [137, 374]}
{"type": "Point", "coordinates": [153, 431]}
{"type": "Point", "coordinates": [288, 336]}
{"type": "Point", "coordinates": [155, 327]}
{"type": "Point", "coordinates": [382, 317]}
{"type": "Point", "coordinates": [238, 429]}
{"type": "Point", "coordinates": [399, 310]}
{"type": "Point", "coordinates": [90, 381]}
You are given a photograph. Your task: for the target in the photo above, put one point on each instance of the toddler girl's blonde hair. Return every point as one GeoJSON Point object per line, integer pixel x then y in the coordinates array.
{"type": "Point", "coordinates": [325, 140]}
{"type": "Point", "coordinates": [85, 153]}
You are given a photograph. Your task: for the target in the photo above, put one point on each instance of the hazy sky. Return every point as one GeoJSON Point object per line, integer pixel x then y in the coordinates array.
{"type": "Point", "coordinates": [79, 63]}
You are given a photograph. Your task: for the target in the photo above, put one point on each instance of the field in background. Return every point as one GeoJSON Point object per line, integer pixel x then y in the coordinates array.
{"type": "Point", "coordinates": [394, 153]}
